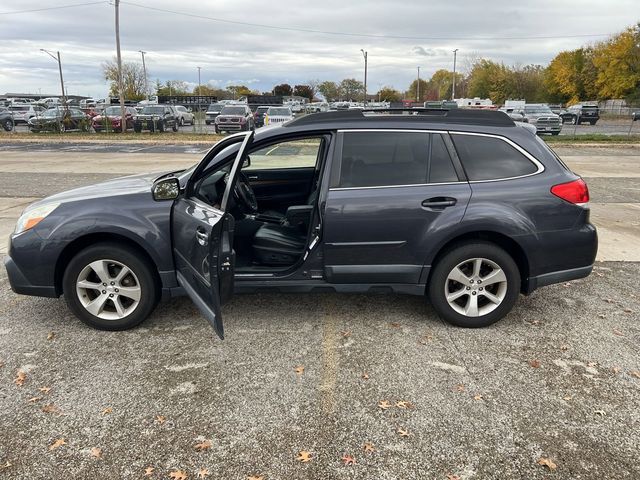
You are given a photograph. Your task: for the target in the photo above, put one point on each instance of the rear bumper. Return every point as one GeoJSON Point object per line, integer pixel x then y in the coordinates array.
{"type": "Point", "coordinates": [557, 277]}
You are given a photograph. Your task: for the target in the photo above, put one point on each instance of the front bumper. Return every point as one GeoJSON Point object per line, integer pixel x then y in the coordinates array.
{"type": "Point", "coordinates": [230, 126]}
{"type": "Point", "coordinates": [20, 284]}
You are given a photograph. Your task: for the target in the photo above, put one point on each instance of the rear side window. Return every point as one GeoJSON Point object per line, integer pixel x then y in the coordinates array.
{"type": "Point", "coordinates": [440, 168]}
{"type": "Point", "coordinates": [490, 158]}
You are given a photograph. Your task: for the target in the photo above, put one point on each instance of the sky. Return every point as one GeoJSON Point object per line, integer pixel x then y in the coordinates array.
{"type": "Point", "coordinates": [263, 43]}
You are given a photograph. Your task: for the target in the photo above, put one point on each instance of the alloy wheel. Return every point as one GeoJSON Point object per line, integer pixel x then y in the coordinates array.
{"type": "Point", "coordinates": [108, 289]}
{"type": "Point", "coordinates": [475, 287]}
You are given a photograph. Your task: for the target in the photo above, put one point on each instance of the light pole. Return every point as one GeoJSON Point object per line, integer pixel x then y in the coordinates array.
{"type": "Point", "coordinates": [57, 59]}
{"type": "Point", "coordinates": [365, 55]}
{"type": "Point", "coordinates": [453, 84]}
{"type": "Point", "coordinates": [418, 87]}
{"type": "Point", "coordinates": [199, 92]}
{"type": "Point", "coordinates": [144, 69]}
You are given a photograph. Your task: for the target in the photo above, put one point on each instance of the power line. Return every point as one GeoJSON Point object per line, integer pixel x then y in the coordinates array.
{"type": "Point", "coordinates": [59, 7]}
{"type": "Point", "coordinates": [353, 34]}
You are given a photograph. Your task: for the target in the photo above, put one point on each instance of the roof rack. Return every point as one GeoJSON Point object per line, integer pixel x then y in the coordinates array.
{"type": "Point", "coordinates": [433, 115]}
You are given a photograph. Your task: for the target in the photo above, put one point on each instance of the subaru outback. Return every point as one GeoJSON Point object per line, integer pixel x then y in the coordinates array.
{"type": "Point", "coordinates": [464, 207]}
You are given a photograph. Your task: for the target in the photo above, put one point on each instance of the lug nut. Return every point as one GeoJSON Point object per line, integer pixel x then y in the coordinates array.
{"type": "Point", "coordinates": [104, 291]}
{"type": "Point", "coordinates": [119, 290]}
{"type": "Point", "coordinates": [104, 284]}
{"type": "Point", "coordinates": [470, 281]}
{"type": "Point", "coordinates": [480, 289]}
{"type": "Point", "coordinates": [479, 282]}
{"type": "Point", "coordinates": [113, 283]}
{"type": "Point", "coordinates": [111, 295]}
{"type": "Point", "coordinates": [468, 288]}
{"type": "Point", "coordinates": [473, 293]}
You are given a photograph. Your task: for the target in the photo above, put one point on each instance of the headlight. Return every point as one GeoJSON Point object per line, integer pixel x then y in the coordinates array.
{"type": "Point", "coordinates": [156, 118]}
{"type": "Point", "coordinates": [32, 217]}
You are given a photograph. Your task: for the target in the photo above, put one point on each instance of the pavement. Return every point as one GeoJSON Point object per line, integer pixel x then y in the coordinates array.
{"type": "Point", "coordinates": [557, 381]}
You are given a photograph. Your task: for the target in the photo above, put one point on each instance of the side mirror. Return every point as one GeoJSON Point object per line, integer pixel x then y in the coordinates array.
{"type": "Point", "coordinates": [166, 189]}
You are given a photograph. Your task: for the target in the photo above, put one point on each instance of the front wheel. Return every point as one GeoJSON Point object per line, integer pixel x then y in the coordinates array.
{"type": "Point", "coordinates": [8, 125]}
{"type": "Point", "coordinates": [109, 287]}
{"type": "Point", "coordinates": [175, 125]}
{"type": "Point", "coordinates": [474, 285]}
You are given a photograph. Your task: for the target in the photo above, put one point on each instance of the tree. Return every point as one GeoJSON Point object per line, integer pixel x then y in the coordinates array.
{"type": "Point", "coordinates": [238, 90]}
{"type": "Point", "coordinates": [303, 91]}
{"type": "Point", "coordinates": [441, 83]}
{"type": "Point", "coordinates": [389, 94]}
{"type": "Point", "coordinates": [132, 78]}
{"type": "Point", "coordinates": [482, 77]}
{"type": "Point", "coordinates": [329, 90]}
{"type": "Point", "coordinates": [412, 92]}
{"type": "Point", "coordinates": [313, 85]}
{"type": "Point", "coordinates": [571, 76]}
{"type": "Point", "coordinates": [173, 87]}
{"type": "Point", "coordinates": [351, 89]}
{"type": "Point", "coordinates": [283, 89]}
{"type": "Point", "coordinates": [617, 61]}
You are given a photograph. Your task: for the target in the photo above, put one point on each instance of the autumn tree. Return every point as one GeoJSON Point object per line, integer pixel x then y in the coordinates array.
{"type": "Point", "coordinates": [441, 83]}
{"type": "Point", "coordinates": [389, 94]}
{"type": "Point", "coordinates": [172, 87]}
{"type": "Point", "coordinates": [329, 91]}
{"type": "Point", "coordinates": [283, 89]}
{"type": "Point", "coordinates": [571, 76]}
{"type": "Point", "coordinates": [412, 92]}
{"type": "Point", "coordinates": [351, 89]}
{"type": "Point", "coordinates": [133, 79]}
{"type": "Point", "coordinates": [238, 90]}
{"type": "Point", "coordinates": [303, 91]}
{"type": "Point", "coordinates": [482, 78]}
{"type": "Point", "coordinates": [313, 85]}
{"type": "Point", "coordinates": [618, 64]}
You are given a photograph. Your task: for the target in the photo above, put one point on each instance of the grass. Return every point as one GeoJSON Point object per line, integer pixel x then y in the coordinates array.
{"type": "Point", "coordinates": [167, 137]}
{"type": "Point", "coordinates": [592, 138]}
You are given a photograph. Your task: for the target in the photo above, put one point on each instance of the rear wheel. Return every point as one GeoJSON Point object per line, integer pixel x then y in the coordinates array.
{"type": "Point", "coordinates": [109, 287]}
{"type": "Point", "coordinates": [182, 121]}
{"type": "Point", "coordinates": [474, 285]}
{"type": "Point", "coordinates": [161, 126]}
{"type": "Point", "coordinates": [573, 120]}
{"type": "Point", "coordinates": [175, 125]}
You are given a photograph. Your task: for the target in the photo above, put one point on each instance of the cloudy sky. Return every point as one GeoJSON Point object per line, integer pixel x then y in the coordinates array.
{"type": "Point", "coordinates": [261, 43]}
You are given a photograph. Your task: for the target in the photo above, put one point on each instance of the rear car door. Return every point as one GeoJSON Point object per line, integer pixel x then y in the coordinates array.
{"type": "Point", "coordinates": [202, 237]}
{"type": "Point", "coordinates": [390, 194]}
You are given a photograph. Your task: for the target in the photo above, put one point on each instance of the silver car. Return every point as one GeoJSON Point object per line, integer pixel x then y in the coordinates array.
{"type": "Point", "coordinates": [184, 115]}
{"type": "Point", "coordinates": [540, 116]}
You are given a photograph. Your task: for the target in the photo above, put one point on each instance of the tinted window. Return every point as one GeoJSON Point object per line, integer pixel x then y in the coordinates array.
{"type": "Point", "coordinates": [233, 111]}
{"type": "Point", "coordinates": [377, 159]}
{"type": "Point", "coordinates": [488, 158]}
{"type": "Point", "coordinates": [440, 167]}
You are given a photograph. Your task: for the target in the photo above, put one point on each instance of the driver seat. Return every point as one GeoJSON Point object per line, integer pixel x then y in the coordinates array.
{"type": "Point", "coordinates": [278, 245]}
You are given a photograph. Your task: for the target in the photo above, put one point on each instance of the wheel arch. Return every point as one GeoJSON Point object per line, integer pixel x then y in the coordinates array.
{"type": "Point", "coordinates": [513, 248]}
{"type": "Point", "coordinates": [92, 239]}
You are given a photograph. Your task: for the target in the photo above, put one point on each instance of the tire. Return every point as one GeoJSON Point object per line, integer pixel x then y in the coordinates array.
{"type": "Point", "coordinates": [140, 282]}
{"type": "Point", "coordinates": [573, 121]}
{"type": "Point", "coordinates": [182, 121]}
{"type": "Point", "coordinates": [8, 125]}
{"type": "Point", "coordinates": [215, 130]}
{"type": "Point", "coordinates": [137, 129]}
{"type": "Point", "coordinates": [161, 126]}
{"type": "Point", "coordinates": [463, 259]}
{"type": "Point", "coordinates": [593, 122]}
{"type": "Point", "coordinates": [207, 122]}
{"type": "Point", "coordinates": [175, 126]}
{"type": "Point", "coordinates": [61, 127]}
{"type": "Point", "coordinates": [555, 133]}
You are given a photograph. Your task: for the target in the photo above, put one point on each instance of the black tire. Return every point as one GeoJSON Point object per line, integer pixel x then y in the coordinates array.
{"type": "Point", "coordinates": [215, 129]}
{"type": "Point", "coordinates": [593, 122]}
{"type": "Point", "coordinates": [555, 133]}
{"type": "Point", "coordinates": [137, 129]}
{"type": "Point", "coordinates": [207, 122]}
{"type": "Point", "coordinates": [573, 121]}
{"type": "Point", "coordinates": [161, 126]}
{"type": "Point", "coordinates": [182, 121]}
{"type": "Point", "coordinates": [144, 277]}
{"type": "Point", "coordinates": [175, 126]}
{"type": "Point", "coordinates": [438, 282]}
{"type": "Point", "coordinates": [8, 125]}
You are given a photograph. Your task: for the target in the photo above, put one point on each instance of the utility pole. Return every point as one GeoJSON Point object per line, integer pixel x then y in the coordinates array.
{"type": "Point", "coordinates": [120, 83]}
{"type": "Point", "coordinates": [365, 54]}
{"type": "Point", "coordinates": [453, 85]}
{"type": "Point", "coordinates": [144, 69]}
{"type": "Point", "coordinates": [57, 59]}
{"type": "Point", "coordinates": [418, 87]}
{"type": "Point", "coordinates": [199, 91]}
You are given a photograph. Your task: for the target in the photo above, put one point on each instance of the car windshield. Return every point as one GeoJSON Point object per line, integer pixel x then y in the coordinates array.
{"type": "Point", "coordinates": [112, 111]}
{"type": "Point", "coordinates": [285, 112]}
{"type": "Point", "coordinates": [52, 113]}
{"type": "Point", "coordinates": [153, 110]}
{"type": "Point", "coordinates": [215, 107]}
{"type": "Point", "coordinates": [262, 109]}
{"type": "Point", "coordinates": [19, 108]}
{"type": "Point", "coordinates": [232, 111]}
{"type": "Point", "coordinates": [589, 107]}
{"type": "Point", "coordinates": [537, 109]}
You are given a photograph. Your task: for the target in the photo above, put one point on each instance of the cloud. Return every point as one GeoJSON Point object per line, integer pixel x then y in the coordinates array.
{"type": "Point", "coordinates": [429, 52]}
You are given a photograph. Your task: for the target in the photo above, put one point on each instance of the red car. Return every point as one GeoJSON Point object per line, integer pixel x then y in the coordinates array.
{"type": "Point", "coordinates": [111, 120]}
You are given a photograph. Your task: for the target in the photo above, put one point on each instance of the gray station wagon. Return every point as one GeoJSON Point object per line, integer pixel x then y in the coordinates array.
{"type": "Point", "coordinates": [465, 207]}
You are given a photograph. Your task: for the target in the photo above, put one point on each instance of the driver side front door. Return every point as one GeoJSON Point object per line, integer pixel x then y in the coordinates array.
{"type": "Point", "coordinates": [202, 238]}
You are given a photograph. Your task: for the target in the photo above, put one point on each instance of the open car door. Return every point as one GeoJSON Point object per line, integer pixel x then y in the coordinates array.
{"type": "Point", "coordinates": [202, 238]}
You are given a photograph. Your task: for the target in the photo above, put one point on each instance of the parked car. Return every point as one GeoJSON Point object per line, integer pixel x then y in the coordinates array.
{"type": "Point", "coordinates": [453, 205]}
{"type": "Point", "coordinates": [515, 116]}
{"type": "Point", "coordinates": [540, 116]}
{"type": "Point", "coordinates": [276, 116]}
{"type": "Point", "coordinates": [184, 115]}
{"type": "Point", "coordinates": [234, 118]}
{"type": "Point", "coordinates": [6, 119]}
{"type": "Point", "coordinates": [578, 114]}
{"type": "Point", "coordinates": [60, 119]}
{"type": "Point", "coordinates": [23, 112]}
{"type": "Point", "coordinates": [212, 112]}
{"type": "Point", "coordinates": [635, 115]}
{"type": "Point", "coordinates": [155, 117]}
{"type": "Point", "coordinates": [258, 115]}
{"type": "Point", "coordinates": [111, 119]}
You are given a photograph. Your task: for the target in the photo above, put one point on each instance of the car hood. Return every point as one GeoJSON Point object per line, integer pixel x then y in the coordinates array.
{"type": "Point", "coordinates": [221, 116]}
{"type": "Point", "coordinates": [118, 186]}
{"type": "Point", "coordinates": [540, 115]}
{"type": "Point", "coordinates": [108, 117]}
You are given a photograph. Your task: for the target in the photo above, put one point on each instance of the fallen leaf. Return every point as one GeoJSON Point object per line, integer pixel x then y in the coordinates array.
{"type": "Point", "coordinates": [635, 373]}
{"type": "Point", "coordinates": [403, 433]}
{"type": "Point", "coordinates": [564, 347]}
{"type": "Point", "coordinates": [452, 477]}
{"type": "Point", "coordinates": [253, 477]}
{"type": "Point", "coordinates": [57, 444]}
{"type": "Point", "coordinates": [178, 475]}
{"type": "Point", "coordinates": [567, 398]}
{"type": "Point", "coordinates": [348, 459]}
{"type": "Point", "coordinates": [345, 333]}
{"type": "Point", "coordinates": [160, 419]}
{"type": "Point", "coordinates": [6, 465]}
{"type": "Point", "coordinates": [592, 364]}
{"type": "Point", "coordinates": [368, 447]}
{"type": "Point", "coordinates": [460, 387]}
{"type": "Point", "coordinates": [618, 333]}
{"type": "Point", "coordinates": [384, 404]}
{"type": "Point", "coordinates": [21, 377]}
{"type": "Point", "coordinates": [44, 389]}
{"type": "Point", "coordinates": [394, 324]}
{"type": "Point", "coordinates": [51, 336]}
{"type": "Point", "coordinates": [50, 408]}
{"type": "Point", "coordinates": [602, 413]}
{"type": "Point", "coordinates": [206, 445]}
{"type": "Point", "coordinates": [404, 404]}
{"type": "Point", "coordinates": [425, 339]}
{"type": "Point", "coordinates": [148, 471]}
{"type": "Point", "coordinates": [616, 370]}
{"type": "Point", "coordinates": [600, 274]}
{"type": "Point", "coordinates": [299, 370]}
{"type": "Point", "coordinates": [547, 462]}
{"type": "Point", "coordinates": [608, 300]}
{"type": "Point", "coordinates": [107, 411]}
{"type": "Point", "coordinates": [477, 397]}
{"type": "Point", "coordinates": [628, 310]}
{"type": "Point", "coordinates": [96, 452]}
{"type": "Point", "coordinates": [535, 322]}
{"type": "Point", "coordinates": [34, 399]}
{"type": "Point", "coordinates": [567, 284]}
{"type": "Point", "coordinates": [365, 376]}
{"type": "Point", "coordinates": [602, 315]}
{"type": "Point", "coordinates": [534, 363]}
{"type": "Point", "coordinates": [203, 472]}
{"type": "Point", "coordinates": [304, 456]}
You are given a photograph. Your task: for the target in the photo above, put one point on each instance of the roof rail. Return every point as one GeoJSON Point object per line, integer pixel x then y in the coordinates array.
{"type": "Point", "coordinates": [434, 115]}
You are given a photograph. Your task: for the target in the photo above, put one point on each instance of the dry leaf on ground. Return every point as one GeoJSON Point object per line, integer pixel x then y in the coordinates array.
{"type": "Point", "coordinates": [348, 459]}
{"type": "Point", "coordinates": [547, 462]}
{"type": "Point", "coordinates": [477, 397]}
{"type": "Point", "coordinates": [50, 408]}
{"type": "Point", "coordinates": [618, 333]}
{"type": "Point", "coordinates": [403, 433]}
{"type": "Point", "coordinates": [404, 404]}
{"type": "Point", "coordinates": [394, 324]}
{"type": "Point", "coordinates": [34, 399]}
{"type": "Point", "coordinates": [160, 419]}
{"type": "Point", "coordinates": [45, 389]}
{"type": "Point", "coordinates": [57, 444]}
{"type": "Point", "coordinates": [51, 336]}
{"type": "Point", "coordinates": [368, 447]}
{"type": "Point", "coordinates": [346, 333]}
{"type": "Point", "coordinates": [460, 387]}
{"type": "Point", "coordinates": [203, 472]}
{"type": "Point", "coordinates": [254, 477]}
{"type": "Point", "coordinates": [96, 452]}
{"type": "Point", "coordinates": [178, 475]}
{"type": "Point", "coordinates": [21, 377]}
{"type": "Point", "coordinates": [148, 471]}
{"type": "Point", "coordinates": [365, 376]}
{"type": "Point", "coordinates": [534, 363]}
{"type": "Point", "coordinates": [206, 445]}
{"type": "Point", "coordinates": [6, 465]}
{"type": "Point", "coordinates": [635, 373]}
{"type": "Point", "coordinates": [304, 456]}
{"type": "Point", "coordinates": [299, 370]}
{"type": "Point", "coordinates": [452, 477]}
{"type": "Point", "coordinates": [107, 411]}
{"type": "Point", "coordinates": [384, 404]}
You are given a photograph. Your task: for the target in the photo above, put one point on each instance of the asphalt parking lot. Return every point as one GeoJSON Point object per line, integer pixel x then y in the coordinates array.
{"type": "Point", "coordinates": [557, 381]}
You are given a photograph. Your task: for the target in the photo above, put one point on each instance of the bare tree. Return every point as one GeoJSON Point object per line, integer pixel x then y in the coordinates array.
{"type": "Point", "coordinates": [132, 79]}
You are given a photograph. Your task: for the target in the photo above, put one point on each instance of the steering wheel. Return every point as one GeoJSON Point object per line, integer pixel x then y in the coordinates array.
{"type": "Point", "coordinates": [244, 196]}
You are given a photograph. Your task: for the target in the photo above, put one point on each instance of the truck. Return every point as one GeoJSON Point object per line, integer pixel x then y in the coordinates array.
{"type": "Point", "coordinates": [255, 101]}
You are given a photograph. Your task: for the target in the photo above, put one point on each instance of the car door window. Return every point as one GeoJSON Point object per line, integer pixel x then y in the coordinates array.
{"type": "Point", "coordinates": [441, 168]}
{"type": "Point", "coordinates": [299, 153]}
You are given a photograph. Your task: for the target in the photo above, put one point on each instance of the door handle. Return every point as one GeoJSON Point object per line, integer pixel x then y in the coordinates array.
{"type": "Point", "coordinates": [201, 236]}
{"type": "Point", "coordinates": [439, 202]}
{"type": "Point", "coordinates": [252, 177]}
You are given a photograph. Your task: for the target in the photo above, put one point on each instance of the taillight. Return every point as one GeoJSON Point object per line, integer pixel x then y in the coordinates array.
{"type": "Point", "coordinates": [574, 192]}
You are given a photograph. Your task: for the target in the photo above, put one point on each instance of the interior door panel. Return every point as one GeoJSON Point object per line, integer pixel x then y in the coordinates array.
{"type": "Point", "coordinates": [278, 188]}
